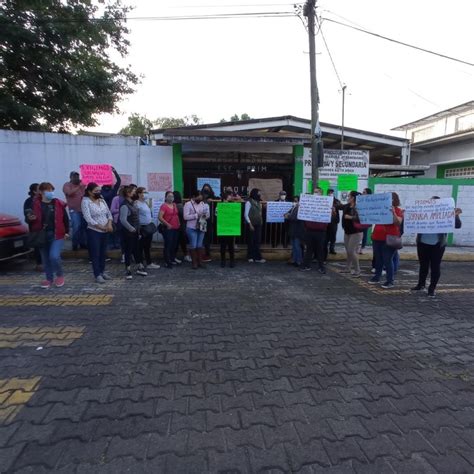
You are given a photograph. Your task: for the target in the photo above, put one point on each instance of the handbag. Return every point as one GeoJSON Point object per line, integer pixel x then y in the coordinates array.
{"type": "Point", "coordinates": [201, 223]}
{"type": "Point", "coordinates": [394, 241]}
{"type": "Point", "coordinates": [36, 239]}
{"type": "Point", "coordinates": [147, 230]}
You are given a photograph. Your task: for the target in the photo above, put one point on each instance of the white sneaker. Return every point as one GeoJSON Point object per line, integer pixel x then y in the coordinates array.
{"type": "Point", "coordinates": [141, 272]}
{"type": "Point", "coordinates": [100, 279]}
{"type": "Point", "coordinates": [178, 261]}
{"type": "Point", "coordinates": [250, 260]}
{"type": "Point", "coordinates": [153, 266]}
{"type": "Point", "coordinates": [188, 259]}
{"type": "Point", "coordinates": [106, 276]}
{"type": "Point", "coordinates": [262, 260]}
{"type": "Point", "coordinates": [373, 270]}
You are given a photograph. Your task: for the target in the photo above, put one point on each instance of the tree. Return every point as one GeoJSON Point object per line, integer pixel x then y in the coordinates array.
{"type": "Point", "coordinates": [177, 122]}
{"type": "Point", "coordinates": [56, 69]}
{"type": "Point", "coordinates": [236, 118]}
{"type": "Point", "coordinates": [137, 125]}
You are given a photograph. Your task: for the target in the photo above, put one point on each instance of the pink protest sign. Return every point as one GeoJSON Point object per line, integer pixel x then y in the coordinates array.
{"type": "Point", "coordinates": [126, 179]}
{"type": "Point", "coordinates": [100, 174]}
{"type": "Point", "coordinates": [159, 182]}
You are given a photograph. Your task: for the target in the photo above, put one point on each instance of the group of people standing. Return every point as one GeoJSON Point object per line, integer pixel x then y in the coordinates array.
{"type": "Point", "coordinates": [120, 216]}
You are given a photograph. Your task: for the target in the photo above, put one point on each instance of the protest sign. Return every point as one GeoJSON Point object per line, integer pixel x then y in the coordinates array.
{"type": "Point", "coordinates": [429, 216]}
{"type": "Point", "coordinates": [126, 179]}
{"type": "Point", "coordinates": [315, 208]}
{"type": "Point", "coordinates": [269, 188]}
{"type": "Point", "coordinates": [347, 182]}
{"type": "Point", "coordinates": [338, 162]}
{"type": "Point", "coordinates": [214, 183]}
{"type": "Point", "coordinates": [229, 219]}
{"type": "Point", "coordinates": [159, 182]}
{"type": "Point", "coordinates": [375, 208]}
{"type": "Point", "coordinates": [324, 184]}
{"type": "Point", "coordinates": [99, 174]}
{"type": "Point", "coordinates": [276, 210]}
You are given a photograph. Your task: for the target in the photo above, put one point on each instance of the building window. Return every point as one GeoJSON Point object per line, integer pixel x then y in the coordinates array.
{"type": "Point", "coordinates": [466, 122]}
{"type": "Point", "coordinates": [423, 134]}
{"type": "Point", "coordinates": [466, 172]}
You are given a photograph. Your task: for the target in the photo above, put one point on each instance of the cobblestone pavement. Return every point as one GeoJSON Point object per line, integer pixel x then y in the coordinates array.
{"type": "Point", "coordinates": [260, 368]}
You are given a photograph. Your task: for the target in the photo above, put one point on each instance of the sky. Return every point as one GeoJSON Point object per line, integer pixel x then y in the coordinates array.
{"type": "Point", "coordinates": [260, 66]}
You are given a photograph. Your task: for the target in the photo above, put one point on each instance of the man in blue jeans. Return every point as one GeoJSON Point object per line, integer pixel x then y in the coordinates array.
{"type": "Point", "coordinates": [74, 192]}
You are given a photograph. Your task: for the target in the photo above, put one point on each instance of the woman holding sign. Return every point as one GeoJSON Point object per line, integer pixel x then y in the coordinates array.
{"type": "Point", "coordinates": [386, 241]}
{"type": "Point", "coordinates": [352, 234]}
{"type": "Point", "coordinates": [430, 248]}
{"type": "Point", "coordinates": [227, 241]}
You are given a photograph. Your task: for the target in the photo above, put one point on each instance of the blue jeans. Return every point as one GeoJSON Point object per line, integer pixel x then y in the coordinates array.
{"type": "Point", "coordinates": [170, 237]}
{"type": "Point", "coordinates": [78, 226]}
{"type": "Point", "coordinates": [195, 238]}
{"type": "Point", "coordinates": [51, 257]}
{"type": "Point", "coordinates": [296, 250]}
{"type": "Point", "coordinates": [97, 250]}
{"type": "Point", "coordinates": [383, 255]}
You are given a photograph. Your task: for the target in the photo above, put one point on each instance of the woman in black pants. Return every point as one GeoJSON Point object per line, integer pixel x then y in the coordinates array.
{"type": "Point", "coordinates": [227, 241]}
{"type": "Point", "coordinates": [28, 210]}
{"type": "Point", "coordinates": [430, 248]}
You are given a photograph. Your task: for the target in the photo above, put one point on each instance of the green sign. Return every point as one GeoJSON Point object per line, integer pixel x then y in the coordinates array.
{"type": "Point", "coordinates": [347, 182]}
{"type": "Point", "coordinates": [324, 184]}
{"type": "Point", "coordinates": [229, 219]}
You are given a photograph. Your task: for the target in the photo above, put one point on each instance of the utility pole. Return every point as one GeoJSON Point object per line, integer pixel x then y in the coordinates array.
{"type": "Point", "coordinates": [342, 121]}
{"type": "Point", "coordinates": [309, 11]}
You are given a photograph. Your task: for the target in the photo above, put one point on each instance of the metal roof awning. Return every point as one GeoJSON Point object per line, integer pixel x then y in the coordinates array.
{"type": "Point", "coordinates": [398, 171]}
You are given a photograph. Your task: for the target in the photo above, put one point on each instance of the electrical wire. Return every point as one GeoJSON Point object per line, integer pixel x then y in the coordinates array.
{"type": "Point", "coordinates": [400, 42]}
{"type": "Point", "coordinates": [320, 24]}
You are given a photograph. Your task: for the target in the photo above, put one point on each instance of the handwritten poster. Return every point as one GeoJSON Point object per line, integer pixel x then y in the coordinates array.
{"type": "Point", "coordinates": [159, 182]}
{"type": "Point", "coordinates": [347, 182]}
{"type": "Point", "coordinates": [229, 219]}
{"type": "Point", "coordinates": [214, 183]}
{"type": "Point", "coordinates": [276, 210]}
{"type": "Point", "coordinates": [100, 174]}
{"type": "Point", "coordinates": [429, 216]}
{"type": "Point", "coordinates": [126, 179]}
{"type": "Point", "coordinates": [315, 208]}
{"type": "Point", "coordinates": [375, 208]}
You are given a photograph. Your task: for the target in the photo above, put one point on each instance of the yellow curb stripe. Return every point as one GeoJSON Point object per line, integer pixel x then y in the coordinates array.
{"type": "Point", "coordinates": [45, 336]}
{"type": "Point", "coordinates": [14, 394]}
{"type": "Point", "coordinates": [60, 300]}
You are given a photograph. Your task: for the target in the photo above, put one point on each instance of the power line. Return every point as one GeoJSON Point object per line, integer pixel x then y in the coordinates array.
{"type": "Point", "coordinates": [400, 42]}
{"type": "Point", "coordinates": [329, 52]}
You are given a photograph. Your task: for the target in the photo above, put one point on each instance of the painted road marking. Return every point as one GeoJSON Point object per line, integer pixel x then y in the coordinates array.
{"type": "Point", "coordinates": [59, 300]}
{"type": "Point", "coordinates": [34, 336]}
{"type": "Point", "coordinates": [14, 393]}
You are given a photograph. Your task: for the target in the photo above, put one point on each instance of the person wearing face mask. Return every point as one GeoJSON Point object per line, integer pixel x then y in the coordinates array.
{"type": "Point", "coordinates": [130, 222]}
{"type": "Point", "coordinates": [74, 191]}
{"type": "Point", "coordinates": [169, 219]}
{"type": "Point", "coordinates": [49, 217]}
{"type": "Point", "coordinates": [147, 228]}
{"type": "Point", "coordinates": [99, 223]}
{"type": "Point", "coordinates": [296, 232]}
{"type": "Point", "coordinates": [196, 213]}
{"type": "Point", "coordinates": [29, 217]}
{"type": "Point", "coordinates": [254, 219]}
{"type": "Point", "coordinates": [208, 196]}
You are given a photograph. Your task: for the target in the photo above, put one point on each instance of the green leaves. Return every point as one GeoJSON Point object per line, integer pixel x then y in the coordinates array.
{"type": "Point", "coordinates": [55, 65]}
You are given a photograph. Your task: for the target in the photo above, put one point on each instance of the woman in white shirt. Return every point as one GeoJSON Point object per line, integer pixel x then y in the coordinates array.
{"type": "Point", "coordinates": [195, 213]}
{"type": "Point", "coordinates": [99, 222]}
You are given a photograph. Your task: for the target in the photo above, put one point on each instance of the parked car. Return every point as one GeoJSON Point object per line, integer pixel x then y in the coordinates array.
{"type": "Point", "coordinates": [13, 237]}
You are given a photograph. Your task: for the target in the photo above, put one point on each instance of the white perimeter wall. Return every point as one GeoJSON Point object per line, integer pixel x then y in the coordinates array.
{"type": "Point", "coordinates": [465, 200]}
{"type": "Point", "coordinates": [28, 157]}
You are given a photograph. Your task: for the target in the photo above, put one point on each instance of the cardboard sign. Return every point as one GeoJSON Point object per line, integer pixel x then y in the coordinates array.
{"type": "Point", "coordinates": [375, 208]}
{"type": "Point", "coordinates": [276, 210]}
{"type": "Point", "coordinates": [159, 182]}
{"type": "Point", "coordinates": [269, 188]}
{"type": "Point", "coordinates": [99, 174]}
{"type": "Point", "coordinates": [347, 182]}
{"type": "Point", "coordinates": [126, 179]}
{"type": "Point", "coordinates": [214, 183]}
{"type": "Point", "coordinates": [429, 216]}
{"type": "Point", "coordinates": [229, 219]}
{"type": "Point", "coordinates": [315, 208]}
{"type": "Point", "coordinates": [324, 184]}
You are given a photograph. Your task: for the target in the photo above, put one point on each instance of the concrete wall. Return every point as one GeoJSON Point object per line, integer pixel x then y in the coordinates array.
{"type": "Point", "coordinates": [418, 190]}
{"type": "Point", "coordinates": [28, 157]}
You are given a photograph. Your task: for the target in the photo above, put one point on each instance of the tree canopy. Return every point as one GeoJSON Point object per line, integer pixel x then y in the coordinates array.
{"type": "Point", "coordinates": [138, 125]}
{"type": "Point", "coordinates": [236, 118]}
{"type": "Point", "coordinates": [56, 70]}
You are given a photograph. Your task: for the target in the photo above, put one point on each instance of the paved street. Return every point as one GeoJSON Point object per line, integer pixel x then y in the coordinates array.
{"type": "Point", "coordinates": [256, 369]}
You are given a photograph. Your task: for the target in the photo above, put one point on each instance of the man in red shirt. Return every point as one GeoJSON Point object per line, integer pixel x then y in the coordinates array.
{"type": "Point", "coordinates": [74, 192]}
